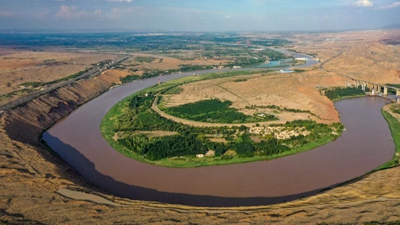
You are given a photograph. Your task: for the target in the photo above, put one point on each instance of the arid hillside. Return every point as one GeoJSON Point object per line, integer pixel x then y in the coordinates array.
{"type": "Point", "coordinates": [294, 91]}
{"type": "Point", "coordinates": [380, 63]}
{"type": "Point", "coordinates": [366, 55]}
{"type": "Point", "coordinates": [156, 62]}
{"type": "Point", "coordinates": [21, 66]}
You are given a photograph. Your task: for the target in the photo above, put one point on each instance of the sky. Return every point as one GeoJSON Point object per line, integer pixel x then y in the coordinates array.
{"type": "Point", "coordinates": [198, 15]}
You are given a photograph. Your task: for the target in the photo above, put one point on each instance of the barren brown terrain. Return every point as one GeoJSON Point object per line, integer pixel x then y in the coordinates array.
{"type": "Point", "coordinates": [366, 55]}
{"type": "Point", "coordinates": [294, 91]}
{"type": "Point", "coordinates": [20, 66]}
{"type": "Point", "coordinates": [37, 187]}
{"type": "Point", "coordinates": [164, 63]}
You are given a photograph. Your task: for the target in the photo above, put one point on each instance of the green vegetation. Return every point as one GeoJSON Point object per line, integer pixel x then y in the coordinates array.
{"type": "Point", "coordinates": [144, 59]}
{"type": "Point", "coordinates": [190, 67]}
{"type": "Point", "coordinates": [129, 78]}
{"type": "Point", "coordinates": [395, 108]}
{"type": "Point", "coordinates": [394, 126]}
{"type": "Point", "coordinates": [173, 91]}
{"type": "Point", "coordinates": [15, 93]}
{"type": "Point", "coordinates": [391, 91]}
{"type": "Point", "coordinates": [129, 127]}
{"type": "Point", "coordinates": [31, 84]}
{"type": "Point", "coordinates": [240, 80]}
{"type": "Point", "coordinates": [338, 93]}
{"type": "Point", "coordinates": [249, 59]}
{"type": "Point", "coordinates": [394, 85]}
{"type": "Point", "coordinates": [214, 111]}
{"type": "Point", "coordinates": [299, 71]}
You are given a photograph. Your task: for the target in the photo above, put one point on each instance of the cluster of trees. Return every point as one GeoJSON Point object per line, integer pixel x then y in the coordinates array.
{"type": "Point", "coordinates": [245, 62]}
{"type": "Point", "coordinates": [190, 67]}
{"type": "Point", "coordinates": [339, 92]}
{"type": "Point", "coordinates": [173, 90]}
{"type": "Point", "coordinates": [144, 59]}
{"type": "Point", "coordinates": [172, 146]}
{"type": "Point", "coordinates": [270, 42]}
{"type": "Point", "coordinates": [129, 78]}
{"type": "Point", "coordinates": [214, 111]}
{"type": "Point", "coordinates": [240, 80]}
{"type": "Point", "coordinates": [164, 147]}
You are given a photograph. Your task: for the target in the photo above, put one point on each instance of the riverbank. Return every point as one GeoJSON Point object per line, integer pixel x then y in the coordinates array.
{"type": "Point", "coordinates": [394, 125]}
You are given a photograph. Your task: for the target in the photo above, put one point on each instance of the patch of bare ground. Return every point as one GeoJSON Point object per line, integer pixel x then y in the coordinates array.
{"type": "Point", "coordinates": [326, 45]}
{"type": "Point", "coordinates": [20, 66]}
{"type": "Point", "coordinates": [30, 176]}
{"type": "Point", "coordinates": [164, 63]}
{"type": "Point", "coordinates": [380, 62]}
{"type": "Point", "coordinates": [112, 76]}
{"type": "Point", "coordinates": [294, 91]}
{"type": "Point", "coordinates": [157, 133]}
{"type": "Point", "coordinates": [368, 55]}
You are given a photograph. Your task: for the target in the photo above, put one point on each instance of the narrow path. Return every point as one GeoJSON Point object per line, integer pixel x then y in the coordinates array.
{"type": "Point", "coordinates": [244, 100]}
{"type": "Point", "coordinates": [78, 195]}
{"type": "Point", "coordinates": [321, 66]}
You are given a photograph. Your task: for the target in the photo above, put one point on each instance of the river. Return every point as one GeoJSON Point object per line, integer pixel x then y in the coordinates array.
{"type": "Point", "coordinates": [364, 145]}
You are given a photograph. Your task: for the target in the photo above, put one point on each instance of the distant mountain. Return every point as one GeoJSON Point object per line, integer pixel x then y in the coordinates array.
{"type": "Point", "coordinates": [393, 26]}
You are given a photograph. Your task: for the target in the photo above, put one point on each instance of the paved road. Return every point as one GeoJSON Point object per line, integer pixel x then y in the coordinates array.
{"type": "Point", "coordinates": [321, 66]}
{"type": "Point", "coordinates": [92, 72]}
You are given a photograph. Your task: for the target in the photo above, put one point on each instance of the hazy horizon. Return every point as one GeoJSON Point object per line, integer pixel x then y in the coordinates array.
{"type": "Point", "coordinates": [198, 16]}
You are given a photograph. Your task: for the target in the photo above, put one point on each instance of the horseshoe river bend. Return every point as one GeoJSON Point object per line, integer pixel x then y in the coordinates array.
{"type": "Point", "coordinates": [364, 145]}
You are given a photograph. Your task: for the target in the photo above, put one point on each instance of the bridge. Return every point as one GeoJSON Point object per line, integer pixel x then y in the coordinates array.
{"type": "Point", "coordinates": [375, 88]}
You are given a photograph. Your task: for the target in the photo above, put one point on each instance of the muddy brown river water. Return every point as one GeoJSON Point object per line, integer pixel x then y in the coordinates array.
{"type": "Point", "coordinates": [364, 145]}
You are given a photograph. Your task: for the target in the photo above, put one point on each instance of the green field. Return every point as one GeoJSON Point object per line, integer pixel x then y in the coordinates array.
{"type": "Point", "coordinates": [338, 93]}
{"type": "Point", "coordinates": [144, 59]}
{"type": "Point", "coordinates": [214, 111]}
{"type": "Point", "coordinates": [173, 91]}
